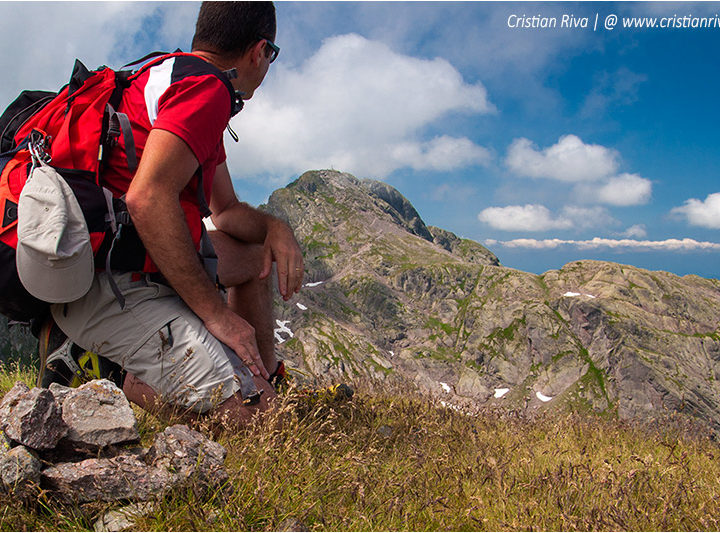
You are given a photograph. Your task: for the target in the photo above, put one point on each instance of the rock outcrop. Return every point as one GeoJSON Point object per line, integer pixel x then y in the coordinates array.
{"type": "Point", "coordinates": [20, 471]}
{"type": "Point", "coordinates": [31, 417]}
{"type": "Point", "coordinates": [388, 296]}
{"type": "Point", "coordinates": [76, 452]}
{"type": "Point", "coordinates": [123, 477]}
{"type": "Point", "coordinates": [98, 414]}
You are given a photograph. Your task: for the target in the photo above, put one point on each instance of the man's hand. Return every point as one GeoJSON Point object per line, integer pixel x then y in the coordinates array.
{"type": "Point", "coordinates": [239, 336]}
{"type": "Point", "coordinates": [281, 246]}
{"type": "Point", "coordinates": [251, 225]}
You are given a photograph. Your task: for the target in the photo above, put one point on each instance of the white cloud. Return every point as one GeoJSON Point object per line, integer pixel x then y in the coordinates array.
{"type": "Point", "coordinates": [46, 37]}
{"type": "Point", "coordinates": [529, 217]}
{"type": "Point", "coordinates": [441, 153]}
{"type": "Point", "coordinates": [358, 106]}
{"type": "Point", "coordinates": [704, 213]}
{"type": "Point", "coordinates": [569, 160]}
{"type": "Point", "coordinates": [535, 217]}
{"type": "Point", "coordinates": [587, 217]}
{"type": "Point", "coordinates": [622, 190]}
{"type": "Point", "coordinates": [636, 230]}
{"type": "Point", "coordinates": [598, 242]}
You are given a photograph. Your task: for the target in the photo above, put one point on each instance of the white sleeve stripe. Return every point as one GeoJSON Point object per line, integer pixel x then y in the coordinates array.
{"type": "Point", "coordinates": [158, 82]}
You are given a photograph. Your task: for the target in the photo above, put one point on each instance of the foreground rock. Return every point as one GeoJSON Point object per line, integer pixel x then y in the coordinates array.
{"type": "Point", "coordinates": [20, 471]}
{"type": "Point", "coordinates": [124, 477]}
{"type": "Point", "coordinates": [88, 464]}
{"type": "Point", "coordinates": [60, 392]}
{"type": "Point", "coordinates": [32, 418]}
{"type": "Point", "coordinates": [99, 414]}
{"type": "Point", "coordinates": [187, 454]}
{"type": "Point", "coordinates": [123, 518]}
{"type": "Point", "coordinates": [178, 455]}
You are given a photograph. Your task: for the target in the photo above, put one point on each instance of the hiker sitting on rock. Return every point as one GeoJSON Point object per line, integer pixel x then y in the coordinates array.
{"type": "Point", "coordinates": [175, 334]}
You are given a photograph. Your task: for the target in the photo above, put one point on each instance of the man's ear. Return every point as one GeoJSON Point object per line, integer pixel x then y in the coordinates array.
{"type": "Point", "coordinates": [258, 51]}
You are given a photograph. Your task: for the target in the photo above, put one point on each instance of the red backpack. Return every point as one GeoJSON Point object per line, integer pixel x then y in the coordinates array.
{"type": "Point", "coordinates": [72, 128]}
{"type": "Point", "coordinates": [76, 128]}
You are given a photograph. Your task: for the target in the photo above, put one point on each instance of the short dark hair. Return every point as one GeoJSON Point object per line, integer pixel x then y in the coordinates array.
{"type": "Point", "coordinates": [231, 28]}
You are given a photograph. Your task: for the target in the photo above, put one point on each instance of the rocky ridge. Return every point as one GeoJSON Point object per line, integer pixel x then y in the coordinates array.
{"type": "Point", "coordinates": [388, 296]}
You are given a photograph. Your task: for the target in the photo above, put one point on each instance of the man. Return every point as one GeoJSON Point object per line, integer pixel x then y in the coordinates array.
{"type": "Point", "coordinates": [174, 334]}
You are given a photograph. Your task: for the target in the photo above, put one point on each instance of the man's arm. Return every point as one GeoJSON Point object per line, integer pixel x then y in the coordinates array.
{"type": "Point", "coordinates": [251, 225]}
{"type": "Point", "coordinates": [153, 200]}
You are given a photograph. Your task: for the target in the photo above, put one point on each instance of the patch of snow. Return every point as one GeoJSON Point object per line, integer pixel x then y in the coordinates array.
{"type": "Point", "coordinates": [446, 387]}
{"type": "Point", "coordinates": [313, 284]}
{"type": "Point", "coordinates": [392, 354]}
{"type": "Point", "coordinates": [573, 294]}
{"type": "Point", "coordinates": [283, 328]}
{"type": "Point", "coordinates": [542, 397]}
{"type": "Point", "coordinates": [499, 393]}
{"type": "Point", "coordinates": [301, 306]}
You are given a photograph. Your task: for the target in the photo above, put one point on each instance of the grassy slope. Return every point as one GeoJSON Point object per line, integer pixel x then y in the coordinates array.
{"type": "Point", "coordinates": [393, 460]}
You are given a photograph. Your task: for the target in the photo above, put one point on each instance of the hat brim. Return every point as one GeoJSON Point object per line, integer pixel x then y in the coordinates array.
{"type": "Point", "coordinates": [56, 284]}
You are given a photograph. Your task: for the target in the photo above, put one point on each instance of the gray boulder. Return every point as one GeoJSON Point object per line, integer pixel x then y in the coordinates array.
{"type": "Point", "coordinates": [125, 477]}
{"type": "Point", "coordinates": [123, 518]}
{"type": "Point", "coordinates": [20, 471]}
{"type": "Point", "coordinates": [60, 392]}
{"type": "Point", "coordinates": [188, 454]}
{"type": "Point", "coordinates": [31, 417]}
{"type": "Point", "coordinates": [98, 414]}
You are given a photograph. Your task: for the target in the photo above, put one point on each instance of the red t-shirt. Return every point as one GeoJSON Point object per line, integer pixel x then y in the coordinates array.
{"type": "Point", "coordinates": [181, 94]}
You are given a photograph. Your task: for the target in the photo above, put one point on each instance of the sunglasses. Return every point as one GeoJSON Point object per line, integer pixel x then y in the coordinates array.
{"type": "Point", "coordinates": [275, 49]}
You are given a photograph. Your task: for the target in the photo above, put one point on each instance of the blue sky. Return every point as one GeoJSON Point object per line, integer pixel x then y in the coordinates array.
{"type": "Point", "coordinates": [546, 144]}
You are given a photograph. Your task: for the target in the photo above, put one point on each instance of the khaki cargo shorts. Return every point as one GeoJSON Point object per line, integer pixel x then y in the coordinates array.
{"type": "Point", "coordinates": [156, 337]}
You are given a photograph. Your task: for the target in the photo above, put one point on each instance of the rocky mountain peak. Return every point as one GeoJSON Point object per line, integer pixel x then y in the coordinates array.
{"type": "Point", "coordinates": [392, 297]}
{"type": "Point", "coordinates": [340, 219]}
{"type": "Point", "coordinates": [323, 180]}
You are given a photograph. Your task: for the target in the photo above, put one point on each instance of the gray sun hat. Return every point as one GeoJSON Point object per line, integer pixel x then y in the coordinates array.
{"type": "Point", "coordinates": [54, 256]}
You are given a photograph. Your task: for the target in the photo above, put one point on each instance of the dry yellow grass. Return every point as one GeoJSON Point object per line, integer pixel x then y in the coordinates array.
{"type": "Point", "coordinates": [391, 459]}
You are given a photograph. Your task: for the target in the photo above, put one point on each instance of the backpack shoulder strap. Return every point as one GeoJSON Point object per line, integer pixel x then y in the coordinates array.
{"type": "Point", "coordinates": [151, 55]}
{"type": "Point", "coordinates": [194, 65]}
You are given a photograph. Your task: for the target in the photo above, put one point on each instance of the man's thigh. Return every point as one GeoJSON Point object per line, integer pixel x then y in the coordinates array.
{"type": "Point", "coordinates": [156, 337]}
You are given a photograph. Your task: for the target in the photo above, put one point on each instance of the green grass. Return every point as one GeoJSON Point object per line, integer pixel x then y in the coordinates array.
{"type": "Point", "coordinates": [392, 459]}
{"type": "Point", "coordinates": [12, 372]}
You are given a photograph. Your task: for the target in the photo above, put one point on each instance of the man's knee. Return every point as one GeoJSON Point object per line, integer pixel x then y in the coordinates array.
{"type": "Point", "coordinates": [238, 262]}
